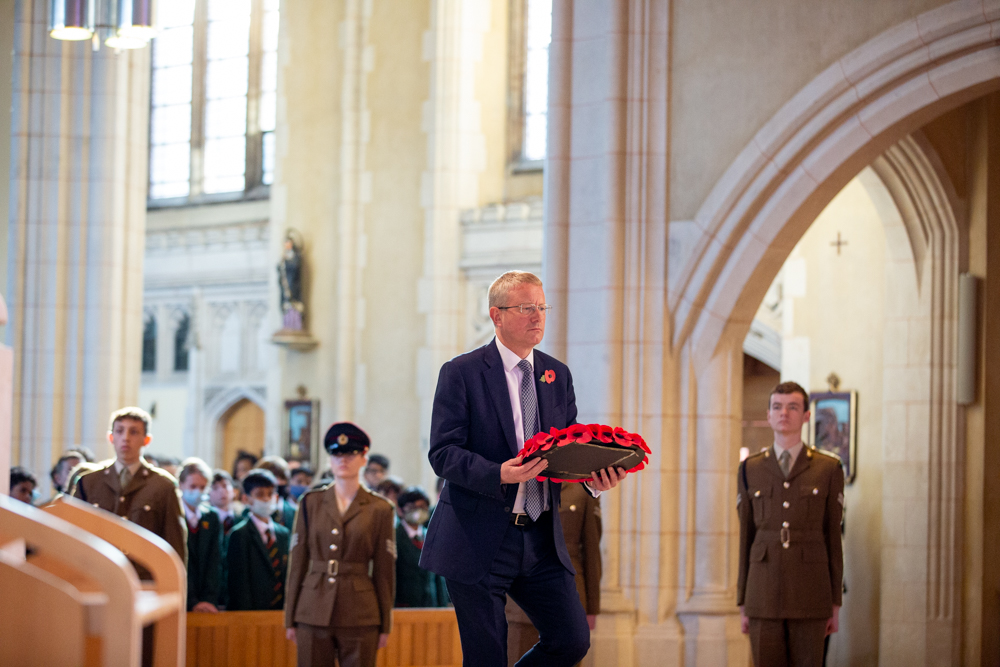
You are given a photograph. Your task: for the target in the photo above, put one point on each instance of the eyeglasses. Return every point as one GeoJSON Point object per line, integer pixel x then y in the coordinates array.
{"type": "Point", "coordinates": [528, 308]}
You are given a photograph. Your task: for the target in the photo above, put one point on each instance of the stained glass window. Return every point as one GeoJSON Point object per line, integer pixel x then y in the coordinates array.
{"type": "Point", "coordinates": [538, 34]}
{"type": "Point", "coordinates": [214, 62]}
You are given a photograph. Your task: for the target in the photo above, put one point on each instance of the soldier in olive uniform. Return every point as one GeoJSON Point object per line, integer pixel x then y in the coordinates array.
{"type": "Point", "coordinates": [791, 563]}
{"type": "Point", "coordinates": [580, 515]}
{"type": "Point", "coordinates": [133, 489]}
{"type": "Point", "coordinates": [341, 571]}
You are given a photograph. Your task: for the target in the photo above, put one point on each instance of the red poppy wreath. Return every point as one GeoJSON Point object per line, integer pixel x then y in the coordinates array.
{"type": "Point", "coordinates": [575, 452]}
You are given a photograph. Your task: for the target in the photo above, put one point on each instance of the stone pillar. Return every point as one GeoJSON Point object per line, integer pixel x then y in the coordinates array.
{"type": "Point", "coordinates": [558, 170]}
{"type": "Point", "coordinates": [449, 184]}
{"type": "Point", "coordinates": [712, 400]}
{"type": "Point", "coordinates": [6, 396]}
{"type": "Point", "coordinates": [75, 238]}
{"type": "Point", "coordinates": [606, 260]}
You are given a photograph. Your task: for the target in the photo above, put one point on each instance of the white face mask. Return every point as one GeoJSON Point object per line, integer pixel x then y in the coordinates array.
{"type": "Point", "coordinates": [262, 508]}
{"type": "Point", "coordinates": [417, 516]}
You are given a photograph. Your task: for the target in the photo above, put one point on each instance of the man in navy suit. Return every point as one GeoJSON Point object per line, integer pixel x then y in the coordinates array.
{"type": "Point", "coordinates": [496, 529]}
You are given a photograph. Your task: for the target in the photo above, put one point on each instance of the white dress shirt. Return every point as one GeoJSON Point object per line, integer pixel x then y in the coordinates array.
{"type": "Point", "coordinates": [414, 533]}
{"type": "Point", "coordinates": [263, 527]}
{"type": "Point", "coordinates": [193, 515]}
{"type": "Point", "coordinates": [513, 375]}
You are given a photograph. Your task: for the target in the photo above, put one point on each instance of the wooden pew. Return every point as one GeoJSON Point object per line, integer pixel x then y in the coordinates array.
{"type": "Point", "coordinates": [71, 602]}
{"type": "Point", "coordinates": [420, 638]}
{"type": "Point", "coordinates": [162, 602]}
{"type": "Point", "coordinates": [424, 637]}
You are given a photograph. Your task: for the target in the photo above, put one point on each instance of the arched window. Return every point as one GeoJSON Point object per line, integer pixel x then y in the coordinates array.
{"type": "Point", "coordinates": [213, 100]}
{"type": "Point", "coordinates": [149, 344]}
{"type": "Point", "coordinates": [531, 33]}
{"type": "Point", "coordinates": [538, 35]}
{"type": "Point", "coordinates": [181, 343]}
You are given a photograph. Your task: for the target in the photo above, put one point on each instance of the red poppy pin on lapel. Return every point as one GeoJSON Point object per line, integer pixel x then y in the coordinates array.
{"type": "Point", "coordinates": [548, 377]}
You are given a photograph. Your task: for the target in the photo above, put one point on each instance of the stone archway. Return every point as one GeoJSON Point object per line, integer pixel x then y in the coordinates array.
{"type": "Point", "coordinates": [218, 410]}
{"type": "Point", "coordinates": [839, 123]}
{"type": "Point", "coordinates": [858, 112]}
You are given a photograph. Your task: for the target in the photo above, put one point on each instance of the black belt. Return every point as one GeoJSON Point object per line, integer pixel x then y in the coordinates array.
{"type": "Point", "coordinates": [521, 520]}
{"type": "Point", "coordinates": [335, 567]}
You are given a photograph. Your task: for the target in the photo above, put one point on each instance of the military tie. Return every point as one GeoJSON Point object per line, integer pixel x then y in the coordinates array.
{"type": "Point", "coordinates": [534, 497]}
{"type": "Point", "coordinates": [124, 477]}
{"type": "Point", "coordinates": [784, 462]}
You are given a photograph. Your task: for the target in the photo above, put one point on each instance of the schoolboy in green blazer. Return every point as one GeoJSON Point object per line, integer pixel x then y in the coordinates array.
{"type": "Point", "coordinates": [257, 554]}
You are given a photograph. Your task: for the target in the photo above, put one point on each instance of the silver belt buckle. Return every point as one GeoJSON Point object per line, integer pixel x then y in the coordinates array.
{"type": "Point", "coordinates": [332, 568]}
{"type": "Point", "coordinates": [786, 537]}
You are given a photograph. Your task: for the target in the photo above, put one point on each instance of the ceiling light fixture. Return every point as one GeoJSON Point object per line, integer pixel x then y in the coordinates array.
{"type": "Point", "coordinates": [122, 24]}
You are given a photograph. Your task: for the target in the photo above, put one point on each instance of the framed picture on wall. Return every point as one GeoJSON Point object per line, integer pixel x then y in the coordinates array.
{"type": "Point", "coordinates": [833, 426]}
{"type": "Point", "coordinates": [302, 432]}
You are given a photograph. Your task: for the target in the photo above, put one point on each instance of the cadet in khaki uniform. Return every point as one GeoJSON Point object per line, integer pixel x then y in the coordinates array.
{"type": "Point", "coordinates": [791, 559]}
{"type": "Point", "coordinates": [580, 515]}
{"type": "Point", "coordinates": [133, 489]}
{"type": "Point", "coordinates": [341, 570]}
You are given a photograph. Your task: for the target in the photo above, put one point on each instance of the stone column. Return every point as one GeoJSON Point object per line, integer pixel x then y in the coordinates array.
{"type": "Point", "coordinates": [75, 238]}
{"type": "Point", "coordinates": [6, 396]}
{"type": "Point", "coordinates": [712, 399]}
{"type": "Point", "coordinates": [449, 184]}
{"type": "Point", "coordinates": [606, 259]}
{"type": "Point", "coordinates": [558, 170]}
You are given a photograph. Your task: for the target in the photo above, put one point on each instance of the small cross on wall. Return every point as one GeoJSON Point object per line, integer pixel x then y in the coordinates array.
{"type": "Point", "coordinates": [838, 243]}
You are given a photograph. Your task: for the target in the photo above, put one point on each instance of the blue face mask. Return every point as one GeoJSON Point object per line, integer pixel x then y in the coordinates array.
{"type": "Point", "coordinates": [192, 497]}
{"type": "Point", "coordinates": [296, 490]}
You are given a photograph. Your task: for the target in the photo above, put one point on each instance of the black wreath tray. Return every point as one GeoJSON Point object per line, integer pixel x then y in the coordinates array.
{"type": "Point", "coordinates": [577, 451]}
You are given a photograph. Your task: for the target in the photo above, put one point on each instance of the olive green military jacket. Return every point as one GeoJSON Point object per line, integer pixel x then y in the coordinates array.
{"type": "Point", "coordinates": [580, 514]}
{"type": "Point", "coordinates": [151, 501]}
{"type": "Point", "coordinates": [342, 569]}
{"type": "Point", "coordinates": [791, 558]}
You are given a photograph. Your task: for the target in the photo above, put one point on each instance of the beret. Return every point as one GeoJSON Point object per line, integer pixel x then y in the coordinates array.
{"type": "Point", "coordinates": [345, 437]}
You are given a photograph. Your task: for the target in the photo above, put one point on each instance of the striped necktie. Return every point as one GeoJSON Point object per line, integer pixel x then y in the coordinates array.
{"type": "Point", "coordinates": [534, 495]}
{"type": "Point", "coordinates": [272, 552]}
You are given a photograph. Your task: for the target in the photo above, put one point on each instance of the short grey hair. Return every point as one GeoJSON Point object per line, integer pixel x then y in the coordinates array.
{"type": "Point", "coordinates": [502, 286]}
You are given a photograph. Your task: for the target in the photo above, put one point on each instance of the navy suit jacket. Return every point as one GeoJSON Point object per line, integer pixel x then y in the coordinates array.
{"type": "Point", "coordinates": [472, 433]}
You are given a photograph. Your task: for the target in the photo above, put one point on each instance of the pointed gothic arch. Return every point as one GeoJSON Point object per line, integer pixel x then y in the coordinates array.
{"type": "Point", "coordinates": [863, 110]}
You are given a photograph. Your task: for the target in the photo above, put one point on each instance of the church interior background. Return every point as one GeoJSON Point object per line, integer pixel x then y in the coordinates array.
{"type": "Point", "coordinates": [718, 195]}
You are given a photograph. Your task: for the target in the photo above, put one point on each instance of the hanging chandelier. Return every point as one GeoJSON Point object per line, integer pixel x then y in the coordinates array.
{"type": "Point", "coordinates": [120, 24]}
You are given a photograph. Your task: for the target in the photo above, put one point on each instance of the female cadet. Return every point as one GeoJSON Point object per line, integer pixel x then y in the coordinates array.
{"type": "Point", "coordinates": [341, 570]}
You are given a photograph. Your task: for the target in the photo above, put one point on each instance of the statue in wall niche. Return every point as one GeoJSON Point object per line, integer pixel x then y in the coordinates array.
{"type": "Point", "coordinates": [290, 282]}
{"type": "Point", "coordinates": [293, 334]}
